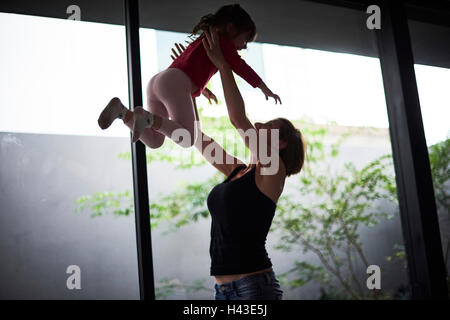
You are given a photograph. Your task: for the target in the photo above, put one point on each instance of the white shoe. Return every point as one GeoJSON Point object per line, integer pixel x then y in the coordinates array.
{"type": "Point", "coordinates": [141, 119]}
{"type": "Point", "coordinates": [115, 109]}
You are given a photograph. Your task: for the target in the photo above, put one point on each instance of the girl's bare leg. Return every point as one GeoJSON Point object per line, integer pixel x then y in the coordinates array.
{"type": "Point", "coordinates": [169, 96]}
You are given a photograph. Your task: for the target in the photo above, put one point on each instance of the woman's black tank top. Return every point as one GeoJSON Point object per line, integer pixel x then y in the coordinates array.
{"type": "Point", "coordinates": [241, 216]}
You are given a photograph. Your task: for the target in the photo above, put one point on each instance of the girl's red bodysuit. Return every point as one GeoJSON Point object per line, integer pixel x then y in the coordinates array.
{"type": "Point", "coordinates": [195, 63]}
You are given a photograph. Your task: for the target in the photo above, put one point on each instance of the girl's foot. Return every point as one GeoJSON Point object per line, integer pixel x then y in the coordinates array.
{"type": "Point", "coordinates": [141, 119]}
{"type": "Point", "coordinates": [115, 109]}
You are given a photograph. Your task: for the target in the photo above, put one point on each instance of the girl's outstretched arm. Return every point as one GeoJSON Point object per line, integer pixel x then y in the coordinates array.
{"type": "Point", "coordinates": [239, 66]}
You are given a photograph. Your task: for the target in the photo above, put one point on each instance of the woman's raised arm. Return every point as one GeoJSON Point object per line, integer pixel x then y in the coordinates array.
{"type": "Point", "coordinates": [214, 153]}
{"type": "Point", "coordinates": [210, 149]}
{"type": "Point", "coordinates": [233, 97]}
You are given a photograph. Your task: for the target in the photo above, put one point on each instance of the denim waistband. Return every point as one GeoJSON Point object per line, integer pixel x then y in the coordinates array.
{"type": "Point", "coordinates": [267, 277]}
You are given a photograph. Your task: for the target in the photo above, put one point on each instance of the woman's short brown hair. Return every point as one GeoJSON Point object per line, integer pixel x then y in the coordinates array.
{"type": "Point", "coordinates": [293, 155]}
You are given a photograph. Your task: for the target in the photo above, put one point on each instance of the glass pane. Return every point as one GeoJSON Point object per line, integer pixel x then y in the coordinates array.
{"type": "Point", "coordinates": [339, 219]}
{"type": "Point", "coordinates": [336, 219]}
{"type": "Point", "coordinates": [432, 85]}
{"type": "Point", "coordinates": [67, 229]}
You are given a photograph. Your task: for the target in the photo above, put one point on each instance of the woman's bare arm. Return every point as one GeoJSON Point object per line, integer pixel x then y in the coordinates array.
{"type": "Point", "coordinates": [213, 152]}
{"type": "Point", "coordinates": [233, 98]}
{"type": "Point", "coordinates": [216, 155]}
{"type": "Point", "coordinates": [208, 148]}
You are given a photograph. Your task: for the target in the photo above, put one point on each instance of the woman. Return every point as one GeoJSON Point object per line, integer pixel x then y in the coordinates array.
{"type": "Point", "coordinates": [242, 207]}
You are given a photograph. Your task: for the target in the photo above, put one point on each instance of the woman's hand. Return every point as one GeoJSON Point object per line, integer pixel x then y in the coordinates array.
{"type": "Point", "coordinates": [207, 93]}
{"type": "Point", "coordinates": [212, 46]}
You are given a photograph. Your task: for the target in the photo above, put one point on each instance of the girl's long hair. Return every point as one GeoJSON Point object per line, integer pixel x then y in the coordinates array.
{"type": "Point", "coordinates": [232, 13]}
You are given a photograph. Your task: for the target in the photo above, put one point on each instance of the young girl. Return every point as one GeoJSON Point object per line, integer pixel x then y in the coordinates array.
{"type": "Point", "coordinates": [170, 92]}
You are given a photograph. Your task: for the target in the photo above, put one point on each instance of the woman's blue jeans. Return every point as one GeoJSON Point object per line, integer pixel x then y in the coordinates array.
{"type": "Point", "coordinates": [261, 286]}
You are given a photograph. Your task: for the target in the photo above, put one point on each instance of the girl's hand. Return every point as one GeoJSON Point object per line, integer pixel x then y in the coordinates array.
{"type": "Point", "coordinates": [273, 95]}
{"type": "Point", "coordinates": [180, 49]}
{"type": "Point", "coordinates": [209, 95]}
{"type": "Point", "coordinates": [212, 46]}
{"type": "Point", "coordinates": [268, 93]}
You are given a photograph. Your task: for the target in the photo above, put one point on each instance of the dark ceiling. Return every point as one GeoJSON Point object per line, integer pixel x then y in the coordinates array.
{"type": "Point", "coordinates": [338, 26]}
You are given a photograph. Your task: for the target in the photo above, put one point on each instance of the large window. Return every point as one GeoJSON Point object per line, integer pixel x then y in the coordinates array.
{"type": "Point", "coordinates": [63, 185]}
{"type": "Point", "coordinates": [67, 213]}
{"type": "Point", "coordinates": [343, 202]}
{"type": "Point", "coordinates": [432, 85]}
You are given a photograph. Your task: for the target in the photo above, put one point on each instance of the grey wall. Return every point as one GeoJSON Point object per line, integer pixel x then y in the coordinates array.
{"type": "Point", "coordinates": [40, 235]}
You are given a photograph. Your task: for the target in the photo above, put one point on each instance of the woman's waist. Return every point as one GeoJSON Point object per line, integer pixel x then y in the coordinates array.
{"type": "Point", "coordinates": [221, 279]}
{"type": "Point", "coordinates": [238, 260]}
